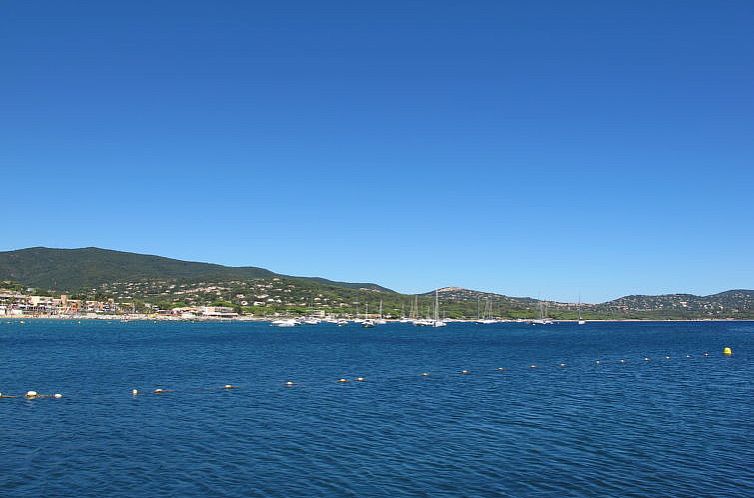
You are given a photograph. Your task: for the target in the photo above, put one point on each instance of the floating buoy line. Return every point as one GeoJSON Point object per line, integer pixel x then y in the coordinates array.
{"type": "Point", "coordinates": [32, 395]}
{"type": "Point", "coordinates": [35, 395]}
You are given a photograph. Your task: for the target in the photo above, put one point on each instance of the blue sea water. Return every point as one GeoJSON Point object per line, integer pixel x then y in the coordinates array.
{"type": "Point", "coordinates": [682, 426]}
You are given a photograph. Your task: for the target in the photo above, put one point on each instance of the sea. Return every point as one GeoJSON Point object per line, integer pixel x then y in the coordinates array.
{"type": "Point", "coordinates": [602, 409]}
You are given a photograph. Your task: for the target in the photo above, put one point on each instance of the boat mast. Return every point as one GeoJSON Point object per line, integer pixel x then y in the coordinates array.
{"type": "Point", "coordinates": [437, 306]}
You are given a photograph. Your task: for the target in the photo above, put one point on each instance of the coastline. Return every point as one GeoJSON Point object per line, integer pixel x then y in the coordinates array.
{"type": "Point", "coordinates": [157, 318]}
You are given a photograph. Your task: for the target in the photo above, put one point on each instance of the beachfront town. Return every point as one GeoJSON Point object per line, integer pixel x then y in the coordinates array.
{"type": "Point", "coordinates": [15, 304]}
{"type": "Point", "coordinates": [169, 300]}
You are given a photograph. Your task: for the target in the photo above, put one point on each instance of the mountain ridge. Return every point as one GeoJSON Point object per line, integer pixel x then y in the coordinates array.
{"type": "Point", "coordinates": [40, 267]}
{"type": "Point", "coordinates": [120, 275]}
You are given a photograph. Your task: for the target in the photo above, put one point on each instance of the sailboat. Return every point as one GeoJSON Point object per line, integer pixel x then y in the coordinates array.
{"type": "Point", "coordinates": [581, 320]}
{"type": "Point", "coordinates": [487, 315]}
{"type": "Point", "coordinates": [543, 320]}
{"type": "Point", "coordinates": [419, 322]}
{"type": "Point", "coordinates": [367, 323]}
{"type": "Point", "coordinates": [411, 314]}
{"type": "Point", "coordinates": [380, 320]}
{"type": "Point", "coordinates": [437, 322]}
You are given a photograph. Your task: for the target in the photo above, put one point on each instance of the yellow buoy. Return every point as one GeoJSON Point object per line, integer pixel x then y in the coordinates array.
{"type": "Point", "coordinates": [727, 351]}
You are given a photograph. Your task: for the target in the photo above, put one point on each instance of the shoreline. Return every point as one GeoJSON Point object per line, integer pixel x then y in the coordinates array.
{"type": "Point", "coordinates": [146, 318]}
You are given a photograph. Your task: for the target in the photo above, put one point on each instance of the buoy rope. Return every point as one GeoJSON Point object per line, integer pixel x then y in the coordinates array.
{"type": "Point", "coordinates": [427, 375]}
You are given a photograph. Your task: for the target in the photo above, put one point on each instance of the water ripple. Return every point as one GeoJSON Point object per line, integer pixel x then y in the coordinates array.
{"type": "Point", "coordinates": [669, 427]}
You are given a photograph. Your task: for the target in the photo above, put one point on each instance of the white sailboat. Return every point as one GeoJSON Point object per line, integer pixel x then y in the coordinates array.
{"type": "Point", "coordinates": [411, 315]}
{"type": "Point", "coordinates": [367, 322]}
{"type": "Point", "coordinates": [437, 322]}
{"type": "Point", "coordinates": [419, 322]}
{"type": "Point", "coordinates": [486, 317]}
{"type": "Point", "coordinates": [543, 320]}
{"type": "Point", "coordinates": [581, 320]}
{"type": "Point", "coordinates": [380, 320]}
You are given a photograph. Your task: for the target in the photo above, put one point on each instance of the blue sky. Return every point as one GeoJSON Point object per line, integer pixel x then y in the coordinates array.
{"type": "Point", "coordinates": [529, 148]}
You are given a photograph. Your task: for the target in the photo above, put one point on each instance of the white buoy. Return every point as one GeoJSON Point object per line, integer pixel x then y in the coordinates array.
{"type": "Point", "coordinates": [706, 354]}
{"type": "Point", "coordinates": [425, 374]}
{"type": "Point", "coordinates": [646, 358]}
{"type": "Point", "coordinates": [31, 394]}
{"type": "Point", "coordinates": [57, 395]}
{"type": "Point", "coordinates": [465, 372]}
{"type": "Point", "coordinates": [532, 366]}
{"type": "Point", "coordinates": [230, 386]}
{"type": "Point", "coordinates": [623, 361]}
{"type": "Point", "coordinates": [667, 357]}
{"type": "Point", "coordinates": [597, 362]}
{"type": "Point", "coordinates": [688, 356]}
{"type": "Point", "coordinates": [562, 365]}
{"type": "Point", "coordinates": [360, 379]}
{"type": "Point", "coordinates": [134, 391]}
{"type": "Point", "coordinates": [500, 369]}
{"type": "Point", "coordinates": [289, 383]}
{"type": "Point", "coordinates": [159, 391]}
{"type": "Point", "coordinates": [342, 381]}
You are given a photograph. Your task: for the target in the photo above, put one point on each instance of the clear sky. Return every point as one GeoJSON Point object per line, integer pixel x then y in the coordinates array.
{"type": "Point", "coordinates": [540, 148]}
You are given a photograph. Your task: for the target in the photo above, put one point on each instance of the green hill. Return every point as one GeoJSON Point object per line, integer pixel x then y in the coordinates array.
{"type": "Point", "coordinates": [729, 304]}
{"type": "Point", "coordinates": [90, 267]}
